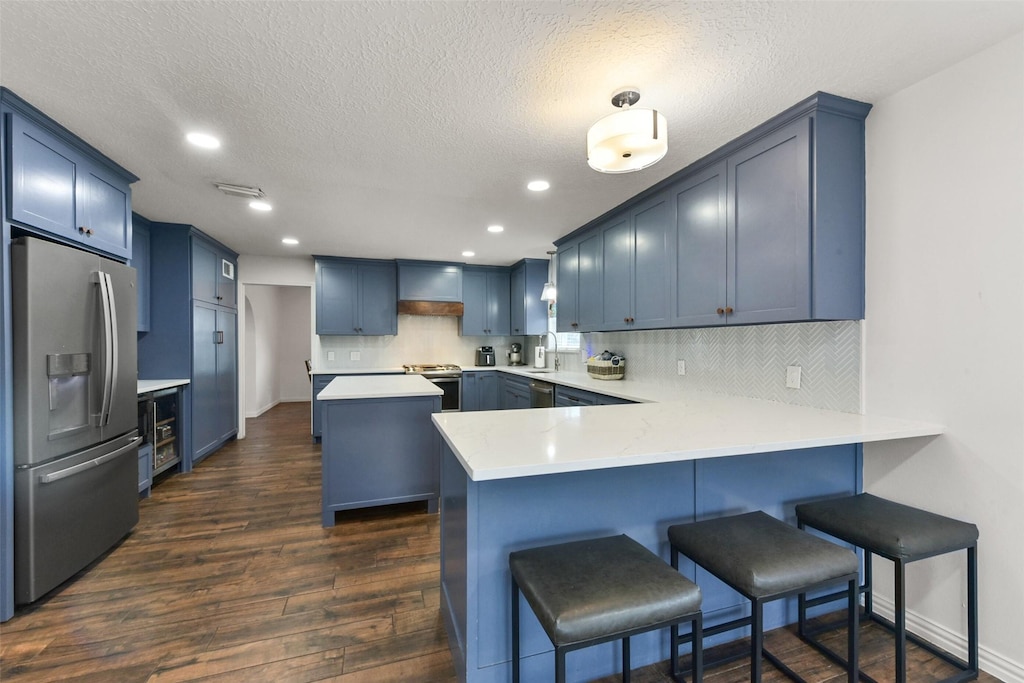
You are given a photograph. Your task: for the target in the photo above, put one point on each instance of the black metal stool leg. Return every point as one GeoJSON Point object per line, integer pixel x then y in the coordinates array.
{"type": "Point", "coordinates": [972, 608]}
{"type": "Point", "coordinates": [869, 586]}
{"type": "Point", "coordinates": [853, 632]}
{"type": "Point", "coordinates": [756, 640]}
{"type": "Point", "coordinates": [559, 665]}
{"type": "Point", "coordinates": [625, 660]}
{"type": "Point", "coordinates": [901, 621]}
{"type": "Point", "coordinates": [515, 631]}
{"type": "Point", "coordinates": [697, 646]}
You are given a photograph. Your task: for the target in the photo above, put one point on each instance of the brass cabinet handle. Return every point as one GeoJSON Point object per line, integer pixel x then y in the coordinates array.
{"type": "Point", "coordinates": [728, 310]}
{"type": "Point", "coordinates": [720, 311]}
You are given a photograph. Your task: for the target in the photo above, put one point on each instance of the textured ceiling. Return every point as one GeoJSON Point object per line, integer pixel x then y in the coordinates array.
{"type": "Point", "coordinates": [403, 129]}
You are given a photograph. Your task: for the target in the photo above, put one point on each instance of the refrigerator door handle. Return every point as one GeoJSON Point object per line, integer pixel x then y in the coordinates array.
{"type": "Point", "coordinates": [108, 348]}
{"type": "Point", "coordinates": [88, 464]}
{"type": "Point", "coordinates": [115, 353]}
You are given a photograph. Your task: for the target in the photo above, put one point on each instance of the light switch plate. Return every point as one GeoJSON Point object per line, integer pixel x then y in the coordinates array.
{"type": "Point", "coordinates": [681, 367]}
{"type": "Point", "coordinates": [330, 355]}
{"type": "Point", "coordinates": [793, 376]}
{"type": "Point", "coordinates": [354, 355]}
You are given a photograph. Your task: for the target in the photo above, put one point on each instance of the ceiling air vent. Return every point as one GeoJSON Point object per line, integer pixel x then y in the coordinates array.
{"type": "Point", "coordinates": [240, 191]}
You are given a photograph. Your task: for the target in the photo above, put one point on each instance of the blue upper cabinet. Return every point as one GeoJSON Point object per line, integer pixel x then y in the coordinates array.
{"type": "Point", "coordinates": [486, 299]}
{"type": "Point", "coordinates": [63, 187]}
{"type": "Point", "coordinates": [140, 262]}
{"type": "Point", "coordinates": [355, 297]}
{"type": "Point", "coordinates": [769, 228]}
{"type": "Point", "coordinates": [429, 281]}
{"type": "Point", "coordinates": [213, 273]}
{"type": "Point", "coordinates": [529, 311]}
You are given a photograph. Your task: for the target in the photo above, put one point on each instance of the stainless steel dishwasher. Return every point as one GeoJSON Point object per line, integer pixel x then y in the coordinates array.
{"type": "Point", "coordinates": [542, 394]}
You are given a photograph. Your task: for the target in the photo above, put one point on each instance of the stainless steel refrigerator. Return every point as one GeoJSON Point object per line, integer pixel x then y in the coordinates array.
{"type": "Point", "coordinates": [75, 413]}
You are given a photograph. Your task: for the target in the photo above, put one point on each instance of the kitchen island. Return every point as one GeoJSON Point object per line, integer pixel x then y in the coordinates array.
{"type": "Point", "coordinates": [379, 446]}
{"type": "Point", "coordinates": [522, 478]}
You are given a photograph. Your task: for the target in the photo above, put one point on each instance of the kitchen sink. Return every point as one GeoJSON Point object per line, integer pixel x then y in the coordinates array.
{"type": "Point", "coordinates": [540, 371]}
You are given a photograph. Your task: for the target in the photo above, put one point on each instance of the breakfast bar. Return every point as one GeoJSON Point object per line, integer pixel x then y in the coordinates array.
{"type": "Point", "coordinates": [517, 479]}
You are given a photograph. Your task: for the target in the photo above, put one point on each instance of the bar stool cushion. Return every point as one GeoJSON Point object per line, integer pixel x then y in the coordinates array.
{"type": "Point", "coordinates": [591, 589]}
{"type": "Point", "coordinates": [888, 528]}
{"type": "Point", "coordinates": [760, 555]}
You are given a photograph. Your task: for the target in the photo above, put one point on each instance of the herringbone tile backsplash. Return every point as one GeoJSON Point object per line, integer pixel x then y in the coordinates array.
{"type": "Point", "coordinates": [746, 361]}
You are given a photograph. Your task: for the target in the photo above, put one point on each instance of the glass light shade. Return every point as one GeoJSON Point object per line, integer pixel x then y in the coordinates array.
{"type": "Point", "coordinates": [549, 292]}
{"type": "Point", "coordinates": [627, 141]}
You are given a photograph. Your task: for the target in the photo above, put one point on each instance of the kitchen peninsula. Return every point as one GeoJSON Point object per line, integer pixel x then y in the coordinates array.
{"type": "Point", "coordinates": [522, 478]}
{"type": "Point", "coordinates": [379, 446]}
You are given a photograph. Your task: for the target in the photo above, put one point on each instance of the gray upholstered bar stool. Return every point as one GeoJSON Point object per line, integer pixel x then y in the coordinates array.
{"type": "Point", "coordinates": [590, 592]}
{"type": "Point", "coordinates": [902, 534]}
{"type": "Point", "coordinates": [765, 559]}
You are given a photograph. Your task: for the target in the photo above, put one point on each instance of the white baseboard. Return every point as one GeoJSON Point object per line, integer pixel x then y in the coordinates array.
{"type": "Point", "coordinates": [251, 414]}
{"type": "Point", "coordinates": [1003, 668]}
{"type": "Point", "coordinates": [301, 399]}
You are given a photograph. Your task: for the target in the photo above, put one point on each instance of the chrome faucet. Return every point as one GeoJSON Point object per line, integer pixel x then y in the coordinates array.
{"type": "Point", "coordinates": [554, 336]}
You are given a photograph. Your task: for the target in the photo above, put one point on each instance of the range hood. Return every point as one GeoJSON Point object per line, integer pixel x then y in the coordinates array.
{"type": "Point", "coordinates": [453, 308]}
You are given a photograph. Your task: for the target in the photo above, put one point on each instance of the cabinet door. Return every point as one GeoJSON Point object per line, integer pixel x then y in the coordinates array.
{"type": "Point", "coordinates": [590, 301]}
{"type": "Point", "coordinates": [769, 228]}
{"type": "Point", "coordinates": [140, 262]}
{"type": "Point", "coordinates": [43, 171]}
{"type": "Point", "coordinates": [700, 249]}
{"type": "Point", "coordinates": [205, 262]}
{"type": "Point", "coordinates": [616, 274]}
{"type": "Point", "coordinates": [517, 299]}
{"type": "Point", "coordinates": [205, 417]}
{"type": "Point", "coordinates": [104, 211]}
{"type": "Point", "coordinates": [470, 386]}
{"type": "Point", "coordinates": [487, 391]}
{"type": "Point", "coordinates": [227, 292]}
{"type": "Point", "coordinates": [337, 297]}
{"type": "Point", "coordinates": [568, 272]}
{"type": "Point", "coordinates": [653, 259]}
{"type": "Point", "coordinates": [474, 295]}
{"type": "Point", "coordinates": [227, 374]}
{"type": "Point", "coordinates": [378, 302]}
{"type": "Point", "coordinates": [320, 383]}
{"type": "Point", "coordinates": [498, 298]}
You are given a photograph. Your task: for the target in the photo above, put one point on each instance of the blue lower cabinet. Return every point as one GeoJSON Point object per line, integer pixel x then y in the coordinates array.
{"type": "Point", "coordinates": [145, 469]}
{"type": "Point", "coordinates": [479, 390]}
{"type": "Point", "coordinates": [514, 392]}
{"type": "Point", "coordinates": [568, 397]}
{"type": "Point", "coordinates": [378, 452]}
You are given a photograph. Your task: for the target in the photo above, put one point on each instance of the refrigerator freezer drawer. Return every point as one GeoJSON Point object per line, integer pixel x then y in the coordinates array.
{"type": "Point", "coordinates": [70, 511]}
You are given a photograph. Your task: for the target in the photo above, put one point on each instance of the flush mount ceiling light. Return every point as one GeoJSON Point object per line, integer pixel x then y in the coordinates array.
{"type": "Point", "coordinates": [628, 140]}
{"type": "Point", "coordinates": [538, 185]}
{"type": "Point", "coordinates": [290, 241]}
{"type": "Point", "coordinates": [495, 228]}
{"type": "Point", "coordinates": [468, 254]}
{"type": "Point", "coordinates": [203, 140]}
{"type": "Point", "coordinates": [260, 205]}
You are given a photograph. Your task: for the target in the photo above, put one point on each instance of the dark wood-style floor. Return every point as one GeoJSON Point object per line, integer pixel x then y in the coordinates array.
{"type": "Point", "coordinates": [230, 577]}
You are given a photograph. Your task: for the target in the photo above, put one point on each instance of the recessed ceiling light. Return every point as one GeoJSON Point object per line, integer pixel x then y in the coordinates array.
{"type": "Point", "coordinates": [495, 228]}
{"type": "Point", "coordinates": [260, 206]}
{"type": "Point", "coordinates": [467, 254]}
{"type": "Point", "coordinates": [203, 140]}
{"type": "Point", "coordinates": [290, 241]}
{"type": "Point", "coordinates": [538, 185]}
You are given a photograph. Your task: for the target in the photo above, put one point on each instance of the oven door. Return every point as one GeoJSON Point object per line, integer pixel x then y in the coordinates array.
{"type": "Point", "coordinates": [451, 400]}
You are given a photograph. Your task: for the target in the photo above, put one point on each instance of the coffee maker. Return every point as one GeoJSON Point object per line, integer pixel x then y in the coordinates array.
{"type": "Point", "coordinates": [515, 355]}
{"type": "Point", "coordinates": [485, 356]}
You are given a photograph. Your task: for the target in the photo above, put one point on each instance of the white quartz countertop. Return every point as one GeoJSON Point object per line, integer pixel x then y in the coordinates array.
{"type": "Point", "coordinates": [692, 425]}
{"type": "Point", "coordinates": [148, 385]}
{"type": "Point", "coordinates": [378, 386]}
{"type": "Point", "coordinates": [358, 371]}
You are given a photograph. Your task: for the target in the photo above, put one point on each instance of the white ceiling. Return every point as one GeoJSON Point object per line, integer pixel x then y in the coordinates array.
{"type": "Point", "coordinates": [403, 129]}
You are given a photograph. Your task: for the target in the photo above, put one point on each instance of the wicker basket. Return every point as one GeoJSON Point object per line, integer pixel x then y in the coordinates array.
{"type": "Point", "coordinates": [603, 369]}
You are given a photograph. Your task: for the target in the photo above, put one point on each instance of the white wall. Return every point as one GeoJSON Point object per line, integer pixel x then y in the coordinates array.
{"type": "Point", "coordinates": [944, 335]}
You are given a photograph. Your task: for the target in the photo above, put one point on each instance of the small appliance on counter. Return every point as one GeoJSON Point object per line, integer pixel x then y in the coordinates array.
{"type": "Point", "coordinates": [485, 356]}
{"type": "Point", "coordinates": [515, 355]}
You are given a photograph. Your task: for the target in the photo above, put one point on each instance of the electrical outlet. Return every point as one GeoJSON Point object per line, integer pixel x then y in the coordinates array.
{"type": "Point", "coordinates": [793, 376]}
{"type": "Point", "coordinates": [330, 355]}
{"type": "Point", "coordinates": [681, 367]}
{"type": "Point", "coordinates": [354, 355]}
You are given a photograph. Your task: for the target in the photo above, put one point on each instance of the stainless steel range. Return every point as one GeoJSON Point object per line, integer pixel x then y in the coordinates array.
{"type": "Point", "coordinates": [447, 377]}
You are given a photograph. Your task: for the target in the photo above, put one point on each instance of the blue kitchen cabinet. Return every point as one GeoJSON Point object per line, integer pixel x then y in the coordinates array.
{"type": "Point", "coordinates": [320, 383]}
{"type": "Point", "coordinates": [190, 337]}
{"type": "Point", "coordinates": [213, 274]}
{"type": "Point", "coordinates": [514, 392]}
{"type": "Point", "coordinates": [485, 295]}
{"type": "Point", "coordinates": [479, 390]}
{"type": "Point", "coordinates": [567, 272]}
{"type": "Point", "coordinates": [700, 248]}
{"type": "Point", "coordinates": [569, 397]}
{"type": "Point", "coordinates": [140, 262]}
{"type": "Point", "coordinates": [145, 469]}
{"type": "Point", "coordinates": [429, 281]}
{"type": "Point", "coordinates": [61, 186]}
{"type": "Point", "coordinates": [355, 297]}
{"type": "Point", "coordinates": [767, 229]}
{"type": "Point", "coordinates": [529, 311]}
